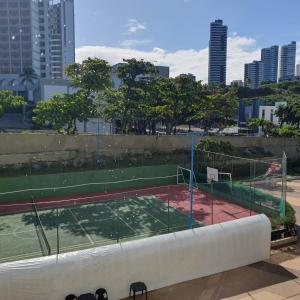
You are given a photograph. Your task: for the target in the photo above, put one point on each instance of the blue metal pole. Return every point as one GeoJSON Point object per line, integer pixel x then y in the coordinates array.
{"type": "Point", "coordinates": [192, 179]}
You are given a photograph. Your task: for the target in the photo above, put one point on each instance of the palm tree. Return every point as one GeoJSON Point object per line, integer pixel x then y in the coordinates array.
{"type": "Point", "coordinates": [27, 78]}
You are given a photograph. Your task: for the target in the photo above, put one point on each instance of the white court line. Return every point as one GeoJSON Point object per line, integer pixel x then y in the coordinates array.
{"type": "Point", "coordinates": [120, 218]}
{"type": "Point", "coordinates": [17, 232]}
{"type": "Point", "coordinates": [22, 256]}
{"type": "Point", "coordinates": [150, 214]}
{"type": "Point", "coordinates": [82, 228]}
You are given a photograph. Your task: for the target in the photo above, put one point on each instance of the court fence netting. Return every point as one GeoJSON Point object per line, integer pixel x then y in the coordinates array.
{"type": "Point", "coordinates": [257, 184]}
{"type": "Point", "coordinates": [118, 195]}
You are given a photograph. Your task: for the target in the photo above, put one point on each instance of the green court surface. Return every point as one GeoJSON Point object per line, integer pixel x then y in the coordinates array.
{"type": "Point", "coordinates": [87, 225]}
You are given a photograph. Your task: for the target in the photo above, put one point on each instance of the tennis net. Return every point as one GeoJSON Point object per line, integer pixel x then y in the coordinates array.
{"type": "Point", "coordinates": [44, 243]}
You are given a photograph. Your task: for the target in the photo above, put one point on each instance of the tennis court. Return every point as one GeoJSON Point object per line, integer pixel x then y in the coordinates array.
{"type": "Point", "coordinates": [73, 224]}
{"type": "Point", "coordinates": [57, 213]}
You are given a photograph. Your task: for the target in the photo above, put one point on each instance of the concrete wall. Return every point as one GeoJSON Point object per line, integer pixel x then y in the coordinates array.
{"type": "Point", "coordinates": [18, 148]}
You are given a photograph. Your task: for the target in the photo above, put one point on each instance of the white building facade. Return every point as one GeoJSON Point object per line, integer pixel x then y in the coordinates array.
{"type": "Point", "coordinates": [268, 113]}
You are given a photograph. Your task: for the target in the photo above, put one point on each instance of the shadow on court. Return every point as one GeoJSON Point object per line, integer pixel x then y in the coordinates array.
{"type": "Point", "coordinates": [89, 225]}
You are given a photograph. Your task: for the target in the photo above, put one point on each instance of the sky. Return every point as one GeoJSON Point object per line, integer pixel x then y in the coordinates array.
{"type": "Point", "coordinates": [175, 33]}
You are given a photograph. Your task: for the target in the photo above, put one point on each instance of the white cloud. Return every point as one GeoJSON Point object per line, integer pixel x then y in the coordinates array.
{"type": "Point", "coordinates": [134, 26]}
{"type": "Point", "coordinates": [131, 43]}
{"type": "Point", "coordinates": [241, 50]}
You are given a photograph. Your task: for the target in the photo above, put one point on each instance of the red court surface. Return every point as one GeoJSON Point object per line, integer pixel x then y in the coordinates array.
{"type": "Point", "coordinates": [207, 209]}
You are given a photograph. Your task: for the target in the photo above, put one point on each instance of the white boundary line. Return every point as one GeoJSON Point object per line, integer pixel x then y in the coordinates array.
{"type": "Point", "coordinates": [149, 213]}
{"type": "Point", "coordinates": [98, 198]}
{"type": "Point", "coordinates": [120, 218]}
{"type": "Point", "coordinates": [82, 228]}
{"type": "Point", "coordinates": [17, 232]}
{"type": "Point", "coordinates": [85, 184]}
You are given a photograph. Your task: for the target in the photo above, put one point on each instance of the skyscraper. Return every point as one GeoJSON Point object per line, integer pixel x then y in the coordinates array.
{"type": "Point", "coordinates": [253, 75]}
{"type": "Point", "coordinates": [269, 57]}
{"type": "Point", "coordinates": [62, 36]}
{"type": "Point", "coordinates": [298, 70]}
{"type": "Point", "coordinates": [35, 34]}
{"type": "Point", "coordinates": [217, 52]}
{"type": "Point", "coordinates": [287, 61]}
{"type": "Point", "coordinates": [19, 39]}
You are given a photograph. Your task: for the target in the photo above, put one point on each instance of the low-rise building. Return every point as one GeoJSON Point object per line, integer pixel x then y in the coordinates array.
{"type": "Point", "coordinates": [257, 110]}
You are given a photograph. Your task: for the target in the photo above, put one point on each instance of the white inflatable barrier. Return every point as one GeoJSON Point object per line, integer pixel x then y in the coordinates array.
{"type": "Point", "coordinates": [158, 261]}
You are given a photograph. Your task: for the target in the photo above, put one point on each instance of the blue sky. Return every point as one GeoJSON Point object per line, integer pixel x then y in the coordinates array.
{"type": "Point", "coordinates": [176, 32]}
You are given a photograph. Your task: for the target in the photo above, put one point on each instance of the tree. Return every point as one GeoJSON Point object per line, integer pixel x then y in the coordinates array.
{"type": "Point", "coordinates": [167, 107]}
{"type": "Point", "coordinates": [27, 78]}
{"type": "Point", "coordinates": [266, 125]}
{"type": "Point", "coordinates": [285, 131]}
{"type": "Point", "coordinates": [63, 111]}
{"type": "Point", "coordinates": [8, 100]}
{"type": "Point", "coordinates": [289, 114]}
{"type": "Point", "coordinates": [129, 103]}
{"type": "Point", "coordinates": [174, 101]}
{"type": "Point", "coordinates": [93, 75]}
{"type": "Point", "coordinates": [218, 110]}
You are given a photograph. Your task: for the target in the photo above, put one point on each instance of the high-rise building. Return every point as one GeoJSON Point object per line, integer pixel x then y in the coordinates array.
{"type": "Point", "coordinates": [37, 34]}
{"type": "Point", "coordinates": [287, 60]}
{"type": "Point", "coordinates": [298, 70]}
{"type": "Point", "coordinates": [253, 75]}
{"type": "Point", "coordinates": [62, 36]}
{"type": "Point", "coordinates": [19, 36]}
{"type": "Point", "coordinates": [269, 57]}
{"type": "Point", "coordinates": [217, 52]}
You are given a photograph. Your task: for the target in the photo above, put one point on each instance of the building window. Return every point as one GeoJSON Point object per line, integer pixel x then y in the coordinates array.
{"type": "Point", "coordinates": [263, 114]}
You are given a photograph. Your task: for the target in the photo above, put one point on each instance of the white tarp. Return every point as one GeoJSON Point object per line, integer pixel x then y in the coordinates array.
{"type": "Point", "coordinates": [158, 261]}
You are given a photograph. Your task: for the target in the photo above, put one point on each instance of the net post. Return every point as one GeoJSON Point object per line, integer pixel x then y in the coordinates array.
{"type": "Point", "coordinates": [57, 232]}
{"type": "Point", "coordinates": [191, 180]}
{"type": "Point", "coordinates": [212, 202]}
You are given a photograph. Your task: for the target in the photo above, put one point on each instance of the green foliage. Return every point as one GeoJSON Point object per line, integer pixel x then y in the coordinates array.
{"type": "Point", "coordinates": [28, 76]}
{"type": "Point", "coordinates": [247, 93]}
{"type": "Point", "coordinates": [286, 131]}
{"type": "Point", "coordinates": [218, 110]}
{"type": "Point", "coordinates": [8, 100]}
{"type": "Point", "coordinates": [270, 93]}
{"type": "Point", "coordinates": [217, 146]}
{"type": "Point", "coordinates": [289, 114]}
{"type": "Point", "coordinates": [145, 99]}
{"type": "Point", "coordinates": [130, 103]}
{"type": "Point", "coordinates": [288, 220]}
{"type": "Point", "coordinates": [62, 112]}
{"type": "Point", "coordinates": [134, 73]}
{"type": "Point", "coordinates": [92, 75]}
